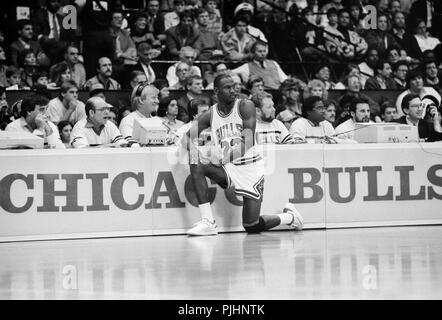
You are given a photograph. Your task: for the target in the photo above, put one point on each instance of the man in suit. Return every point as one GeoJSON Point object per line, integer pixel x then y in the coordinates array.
{"type": "Point", "coordinates": [414, 108]}
{"type": "Point", "coordinates": [24, 41]}
{"type": "Point", "coordinates": [429, 11]}
{"type": "Point", "coordinates": [155, 20]}
{"type": "Point", "coordinates": [48, 26]}
{"type": "Point", "coordinates": [146, 53]}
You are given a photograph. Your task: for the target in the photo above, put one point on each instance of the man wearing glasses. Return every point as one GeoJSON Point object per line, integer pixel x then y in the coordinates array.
{"type": "Point", "coordinates": [425, 114]}
{"type": "Point", "coordinates": [187, 55]}
{"type": "Point", "coordinates": [95, 130]}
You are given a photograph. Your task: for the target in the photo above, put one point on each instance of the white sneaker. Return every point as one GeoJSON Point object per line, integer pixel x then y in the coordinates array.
{"type": "Point", "coordinates": [298, 222]}
{"type": "Point", "coordinates": [203, 228]}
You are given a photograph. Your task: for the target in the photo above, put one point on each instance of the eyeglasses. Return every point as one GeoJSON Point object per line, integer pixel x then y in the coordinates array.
{"type": "Point", "coordinates": [319, 108]}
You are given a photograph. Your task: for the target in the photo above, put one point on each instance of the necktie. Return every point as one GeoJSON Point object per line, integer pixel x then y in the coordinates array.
{"type": "Point", "coordinates": [54, 22]}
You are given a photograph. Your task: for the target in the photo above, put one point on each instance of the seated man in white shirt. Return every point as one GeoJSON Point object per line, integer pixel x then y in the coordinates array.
{"type": "Point", "coordinates": [360, 112]}
{"type": "Point", "coordinates": [268, 129]}
{"type": "Point", "coordinates": [144, 101]}
{"type": "Point", "coordinates": [312, 126]}
{"type": "Point", "coordinates": [95, 130]}
{"type": "Point", "coordinates": [67, 106]}
{"type": "Point", "coordinates": [34, 120]}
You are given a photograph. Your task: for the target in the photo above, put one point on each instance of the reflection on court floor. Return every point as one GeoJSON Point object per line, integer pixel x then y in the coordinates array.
{"type": "Point", "coordinates": [370, 263]}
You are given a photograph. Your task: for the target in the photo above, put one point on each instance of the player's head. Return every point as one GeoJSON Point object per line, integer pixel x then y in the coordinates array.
{"type": "Point", "coordinates": [224, 88]}
{"type": "Point", "coordinates": [265, 107]}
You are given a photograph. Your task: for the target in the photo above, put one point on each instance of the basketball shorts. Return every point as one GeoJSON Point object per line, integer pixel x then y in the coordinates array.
{"type": "Point", "coordinates": [246, 176]}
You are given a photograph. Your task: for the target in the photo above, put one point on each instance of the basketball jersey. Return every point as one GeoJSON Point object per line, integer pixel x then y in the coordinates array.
{"type": "Point", "coordinates": [226, 132]}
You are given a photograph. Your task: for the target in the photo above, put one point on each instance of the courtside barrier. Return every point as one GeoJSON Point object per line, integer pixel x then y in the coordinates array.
{"type": "Point", "coordinates": [64, 194]}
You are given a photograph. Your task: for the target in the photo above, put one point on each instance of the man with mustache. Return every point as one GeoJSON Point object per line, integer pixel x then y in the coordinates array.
{"type": "Point", "coordinates": [360, 112]}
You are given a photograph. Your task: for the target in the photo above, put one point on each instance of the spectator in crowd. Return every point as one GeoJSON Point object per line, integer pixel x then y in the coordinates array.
{"type": "Point", "coordinates": [322, 73]}
{"type": "Point", "coordinates": [316, 87]}
{"type": "Point", "coordinates": [172, 18]}
{"type": "Point", "coordinates": [95, 130]}
{"type": "Point", "coordinates": [333, 40]}
{"type": "Point", "coordinates": [394, 7]}
{"type": "Point", "coordinates": [182, 35]}
{"type": "Point", "coordinates": [187, 55]}
{"type": "Point", "coordinates": [112, 116]}
{"type": "Point", "coordinates": [208, 44]}
{"type": "Point", "coordinates": [168, 111]}
{"type": "Point", "coordinates": [28, 64]}
{"type": "Point", "coordinates": [71, 57]}
{"type": "Point", "coordinates": [136, 77]}
{"type": "Point", "coordinates": [97, 90]}
{"type": "Point", "coordinates": [246, 10]}
{"type": "Point", "coordinates": [356, 16]}
{"type": "Point", "coordinates": [312, 126]}
{"type": "Point", "coordinates": [255, 85]}
{"type": "Point", "coordinates": [421, 41]}
{"type": "Point", "coordinates": [218, 68]}
{"type": "Point", "coordinates": [350, 70]}
{"type": "Point", "coordinates": [146, 53]}
{"type": "Point", "coordinates": [182, 72]}
{"type": "Point", "coordinates": [306, 37]}
{"type": "Point", "coordinates": [65, 129]}
{"type": "Point", "coordinates": [163, 87]}
{"type": "Point", "coordinates": [291, 97]}
{"type": "Point", "coordinates": [400, 71]}
{"type": "Point", "coordinates": [5, 116]}
{"type": "Point", "coordinates": [330, 6]}
{"type": "Point", "coordinates": [58, 74]}
{"type": "Point", "coordinates": [13, 79]}
{"type": "Point", "coordinates": [354, 91]}
{"type": "Point", "coordinates": [215, 21]}
{"type": "Point", "coordinates": [48, 26]}
{"type": "Point", "coordinates": [125, 52]}
{"type": "Point", "coordinates": [268, 129]}
{"type": "Point", "coordinates": [423, 10]}
{"type": "Point", "coordinates": [360, 113]}
{"type": "Point", "coordinates": [330, 111]}
{"type": "Point", "coordinates": [24, 41]}
{"type": "Point", "coordinates": [268, 70]}
{"type": "Point", "coordinates": [382, 79]}
{"type": "Point", "coordinates": [380, 38]}
{"type": "Point", "coordinates": [155, 21]}
{"type": "Point", "coordinates": [368, 66]}
{"type": "Point", "coordinates": [139, 32]}
{"type": "Point", "coordinates": [104, 73]}
{"type": "Point", "coordinates": [66, 106]}
{"type": "Point", "coordinates": [414, 110]}
{"type": "Point", "coordinates": [388, 112]}
{"type": "Point", "coordinates": [356, 45]}
{"type": "Point", "coordinates": [33, 119]}
{"type": "Point", "coordinates": [431, 75]}
{"type": "Point", "coordinates": [144, 102]}
{"type": "Point", "coordinates": [236, 42]}
{"type": "Point", "coordinates": [398, 30]}
{"type": "Point", "coordinates": [415, 84]}
{"type": "Point", "coordinates": [95, 21]}
{"type": "Point", "coordinates": [3, 67]}
{"type": "Point", "coordinates": [194, 87]}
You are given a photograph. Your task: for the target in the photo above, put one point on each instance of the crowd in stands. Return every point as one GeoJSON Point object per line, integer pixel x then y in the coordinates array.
{"type": "Point", "coordinates": [285, 55]}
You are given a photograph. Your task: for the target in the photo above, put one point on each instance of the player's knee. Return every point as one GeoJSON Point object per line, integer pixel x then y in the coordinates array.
{"type": "Point", "coordinates": [256, 228]}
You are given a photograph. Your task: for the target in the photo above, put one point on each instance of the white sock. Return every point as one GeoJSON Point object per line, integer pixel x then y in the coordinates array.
{"type": "Point", "coordinates": [286, 218]}
{"type": "Point", "coordinates": [206, 211]}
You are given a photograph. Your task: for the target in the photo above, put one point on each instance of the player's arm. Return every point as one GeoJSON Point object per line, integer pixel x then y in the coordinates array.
{"type": "Point", "coordinates": [247, 111]}
{"type": "Point", "coordinates": [201, 124]}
